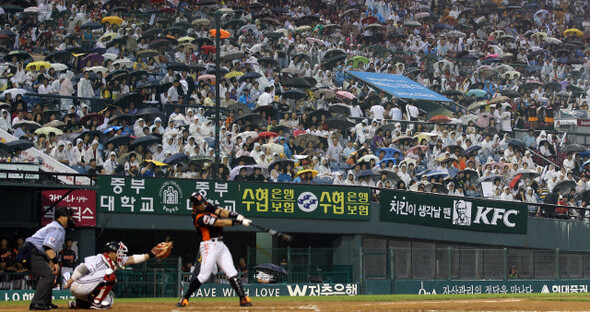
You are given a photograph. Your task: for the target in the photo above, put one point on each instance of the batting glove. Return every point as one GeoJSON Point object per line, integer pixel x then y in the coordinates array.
{"type": "Point", "coordinates": [246, 222]}
{"type": "Point", "coordinates": [240, 218]}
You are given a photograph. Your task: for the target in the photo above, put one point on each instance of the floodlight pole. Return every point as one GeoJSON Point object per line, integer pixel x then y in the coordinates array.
{"type": "Point", "coordinates": [217, 16]}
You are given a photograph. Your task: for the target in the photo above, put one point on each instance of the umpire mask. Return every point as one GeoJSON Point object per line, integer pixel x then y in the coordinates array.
{"type": "Point", "coordinates": [67, 212]}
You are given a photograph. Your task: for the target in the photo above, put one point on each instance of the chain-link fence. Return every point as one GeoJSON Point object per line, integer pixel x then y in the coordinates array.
{"type": "Point", "coordinates": [467, 263]}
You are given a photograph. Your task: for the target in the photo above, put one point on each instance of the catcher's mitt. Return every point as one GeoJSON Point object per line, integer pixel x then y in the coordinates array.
{"type": "Point", "coordinates": [162, 250]}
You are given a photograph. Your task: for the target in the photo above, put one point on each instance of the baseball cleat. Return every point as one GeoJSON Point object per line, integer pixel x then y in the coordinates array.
{"type": "Point", "coordinates": [72, 304]}
{"type": "Point", "coordinates": [182, 302]}
{"type": "Point", "coordinates": [245, 302]}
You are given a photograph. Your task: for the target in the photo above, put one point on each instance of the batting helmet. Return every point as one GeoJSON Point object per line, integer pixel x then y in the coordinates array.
{"type": "Point", "coordinates": [197, 198]}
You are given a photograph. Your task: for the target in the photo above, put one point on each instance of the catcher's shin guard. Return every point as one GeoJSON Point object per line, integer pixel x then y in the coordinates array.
{"type": "Point", "coordinates": [102, 291]}
{"type": "Point", "coordinates": [237, 286]}
{"type": "Point", "coordinates": [194, 285]}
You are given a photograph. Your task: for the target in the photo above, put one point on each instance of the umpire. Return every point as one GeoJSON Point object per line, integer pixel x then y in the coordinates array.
{"type": "Point", "coordinates": [40, 252]}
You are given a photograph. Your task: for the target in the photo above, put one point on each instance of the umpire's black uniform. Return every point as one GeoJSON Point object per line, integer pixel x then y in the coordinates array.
{"type": "Point", "coordinates": [40, 253]}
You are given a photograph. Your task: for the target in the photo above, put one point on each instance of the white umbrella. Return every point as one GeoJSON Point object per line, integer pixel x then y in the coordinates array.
{"type": "Point", "coordinates": [274, 148]}
{"type": "Point", "coordinates": [59, 66]}
{"type": "Point", "coordinates": [123, 62]}
{"type": "Point", "coordinates": [97, 69]}
{"type": "Point", "coordinates": [368, 158]}
{"type": "Point", "coordinates": [246, 134]}
{"type": "Point", "coordinates": [552, 40]}
{"type": "Point", "coordinates": [14, 92]}
{"type": "Point", "coordinates": [110, 56]}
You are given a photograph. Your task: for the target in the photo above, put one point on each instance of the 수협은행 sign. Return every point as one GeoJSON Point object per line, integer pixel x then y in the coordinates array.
{"type": "Point", "coordinates": [461, 213]}
{"type": "Point", "coordinates": [171, 196]}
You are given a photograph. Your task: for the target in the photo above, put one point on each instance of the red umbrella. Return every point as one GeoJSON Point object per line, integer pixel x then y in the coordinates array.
{"type": "Point", "coordinates": [267, 134]}
{"type": "Point", "coordinates": [345, 94]}
{"type": "Point", "coordinates": [205, 77]}
{"type": "Point", "coordinates": [514, 181]}
{"type": "Point", "coordinates": [208, 49]}
{"type": "Point", "coordinates": [440, 119]}
{"type": "Point", "coordinates": [369, 20]}
{"type": "Point", "coordinates": [92, 116]}
{"type": "Point", "coordinates": [423, 148]}
{"type": "Point", "coordinates": [168, 10]}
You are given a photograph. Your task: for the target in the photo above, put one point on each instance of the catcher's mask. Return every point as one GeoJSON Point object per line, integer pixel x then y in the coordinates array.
{"type": "Point", "coordinates": [117, 247]}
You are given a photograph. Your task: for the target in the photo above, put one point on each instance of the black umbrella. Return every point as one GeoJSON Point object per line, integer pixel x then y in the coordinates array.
{"type": "Point", "coordinates": [271, 268]}
{"type": "Point", "coordinates": [246, 159]}
{"type": "Point", "coordinates": [471, 149]}
{"type": "Point", "coordinates": [339, 122]}
{"type": "Point", "coordinates": [176, 158]}
{"type": "Point", "coordinates": [10, 8]}
{"type": "Point", "coordinates": [279, 128]}
{"type": "Point", "coordinates": [248, 118]}
{"type": "Point", "coordinates": [121, 117]}
{"type": "Point", "coordinates": [203, 41]}
{"type": "Point", "coordinates": [236, 107]}
{"type": "Point", "coordinates": [293, 94]}
{"type": "Point", "coordinates": [150, 113]}
{"type": "Point", "coordinates": [268, 109]}
{"type": "Point", "coordinates": [268, 60]}
{"type": "Point", "coordinates": [574, 148]}
{"type": "Point", "coordinates": [296, 83]}
{"type": "Point", "coordinates": [57, 55]}
{"type": "Point", "coordinates": [251, 75]}
{"type": "Point", "coordinates": [152, 32]}
{"type": "Point", "coordinates": [175, 30]}
{"type": "Point", "coordinates": [516, 142]}
{"type": "Point", "coordinates": [178, 67]}
{"type": "Point", "coordinates": [319, 113]}
{"type": "Point", "coordinates": [91, 134]}
{"type": "Point", "coordinates": [20, 55]}
{"type": "Point", "coordinates": [200, 159]}
{"type": "Point", "coordinates": [234, 23]}
{"type": "Point", "coordinates": [274, 35]}
{"type": "Point", "coordinates": [18, 145]}
{"type": "Point", "coordinates": [510, 93]}
{"type": "Point", "coordinates": [145, 141]}
{"type": "Point", "coordinates": [564, 187]}
{"type": "Point", "coordinates": [283, 163]}
{"type": "Point", "coordinates": [311, 81]}
{"type": "Point", "coordinates": [332, 53]}
{"type": "Point", "coordinates": [92, 25]}
{"type": "Point", "coordinates": [330, 63]}
{"type": "Point", "coordinates": [575, 89]}
{"type": "Point", "coordinates": [121, 140]}
{"type": "Point", "coordinates": [127, 99]}
{"type": "Point", "coordinates": [340, 108]}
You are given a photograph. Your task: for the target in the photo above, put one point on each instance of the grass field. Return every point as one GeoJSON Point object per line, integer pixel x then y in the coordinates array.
{"type": "Point", "coordinates": [484, 302]}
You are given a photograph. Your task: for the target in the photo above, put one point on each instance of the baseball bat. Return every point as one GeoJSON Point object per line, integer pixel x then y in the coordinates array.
{"type": "Point", "coordinates": [286, 237]}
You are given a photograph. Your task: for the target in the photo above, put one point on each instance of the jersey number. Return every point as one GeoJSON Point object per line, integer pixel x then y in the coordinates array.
{"type": "Point", "coordinates": [209, 220]}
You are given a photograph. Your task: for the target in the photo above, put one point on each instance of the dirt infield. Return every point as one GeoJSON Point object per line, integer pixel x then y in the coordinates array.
{"type": "Point", "coordinates": [515, 304]}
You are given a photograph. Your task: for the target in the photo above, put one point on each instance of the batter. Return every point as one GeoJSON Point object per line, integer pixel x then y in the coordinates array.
{"type": "Point", "coordinates": [207, 220]}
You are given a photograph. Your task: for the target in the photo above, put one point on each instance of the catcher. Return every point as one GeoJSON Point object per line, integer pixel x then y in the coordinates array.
{"type": "Point", "coordinates": [92, 280]}
{"type": "Point", "coordinates": [208, 221]}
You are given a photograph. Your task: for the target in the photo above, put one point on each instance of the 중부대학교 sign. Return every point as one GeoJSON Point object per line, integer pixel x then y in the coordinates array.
{"type": "Point", "coordinates": [461, 213]}
{"type": "Point", "coordinates": [171, 196]}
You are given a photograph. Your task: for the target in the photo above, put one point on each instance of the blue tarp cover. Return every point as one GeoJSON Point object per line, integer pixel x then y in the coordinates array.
{"type": "Point", "coordinates": [399, 86]}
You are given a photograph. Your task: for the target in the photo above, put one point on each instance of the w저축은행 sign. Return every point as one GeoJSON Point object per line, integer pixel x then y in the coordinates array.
{"type": "Point", "coordinates": [171, 196]}
{"type": "Point", "coordinates": [461, 213]}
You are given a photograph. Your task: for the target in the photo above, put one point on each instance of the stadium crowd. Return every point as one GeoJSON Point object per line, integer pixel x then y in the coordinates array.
{"type": "Point", "coordinates": [129, 89]}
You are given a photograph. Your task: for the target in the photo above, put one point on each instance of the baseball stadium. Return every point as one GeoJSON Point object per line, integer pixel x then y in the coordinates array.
{"type": "Point", "coordinates": [286, 155]}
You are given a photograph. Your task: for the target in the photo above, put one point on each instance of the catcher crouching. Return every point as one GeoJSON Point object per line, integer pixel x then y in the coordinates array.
{"type": "Point", "coordinates": [93, 280]}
